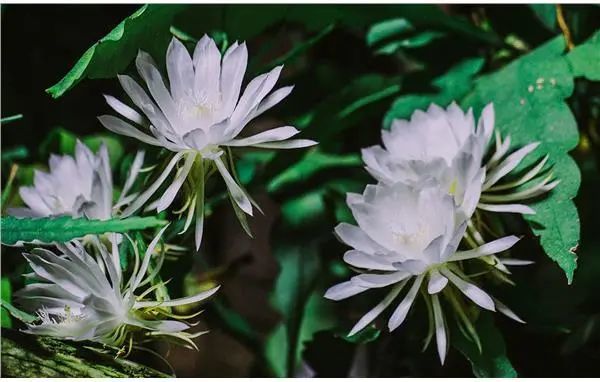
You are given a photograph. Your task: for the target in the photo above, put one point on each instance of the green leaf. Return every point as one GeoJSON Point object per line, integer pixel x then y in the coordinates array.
{"type": "Point", "coordinates": [492, 362]}
{"type": "Point", "coordinates": [6, 294]}
{"type": "Point", "coordinates": [146, 29]}
{"type": "Point", "coordinates": [65, 228]}
{"type": "Point", "coordinates": [452, 86]}
{"type": "Point", "coordinates": [304, 311]}
{"type": "Point", "coordinates": [386, 29]}
{"type": "Point", "coordinates": [585, 58]}
{"type": "Point", "coordinates": [529, 100]}
{"type": "Point", "coordinates": [16, 313]}
{"type": "Point", "coordinates": [15, 153]}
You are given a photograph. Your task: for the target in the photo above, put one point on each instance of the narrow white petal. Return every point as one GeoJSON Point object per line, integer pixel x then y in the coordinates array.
{"type": "Point", "coordinates": [144, 196]}
{"type": "Point", "coordinates": [199, 228]}
{"type": "Point", "coordinates": [364, 260]}
{"type": "Point", "coordinates": [272, 100]}
{"type": "Point", "coordinates": [508, 164]}
{"type": "Point", "coordinates": [144, 102]}
{"type": "Point", "coordinates": [516, 262]}
{"type": "Point", "coordinates": [134, 170]}
{"type": "Point", "coordinates": [509, 208]}
{"type": "Point", "coordinates": [178, 301]}
{"type": "Point", "coordinates": [233, 69]}
{"type": "Point", "coordinates": [238, 195]}
{"type": "Point", "coordinates": [490, 248]}
{"type": "Point", "coordinates": [356, 238]}
{"type": "Point", "coordinates": [376, 311]}
{"type": "Point", "coordinates": [147, 69]}
{"type": "Point", "coordinates": [440, 328]}
{"type": "Point", "coordinates": [343, 290]}
{"type": "Point", "coordinates": [437, 282]}
{"type": "Point", "coordinates": [146, 261]}
{"type": "Point", "coordinates": [117, 125]}
{"type": "Point", "coordinates": [402, 310]}
{"type": "Point", "coordinates": [477, 295]}
{"type": "Point", "coordinates": [125, 110]}
{"type": "Point", "coordinates": [167, 198]}
{"type": "Point", "coordinates": [289, 144]}
{"type": "Point", "coordinates": [273, 135]}
{"type": "Point", "coordinates": [371, 280]}
{"type": "Point", "coordinates": [524, 179]}
{"type": "Point", "coordinates": [507, 311]}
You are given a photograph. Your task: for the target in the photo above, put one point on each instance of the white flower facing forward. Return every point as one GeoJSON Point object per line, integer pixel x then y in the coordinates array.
{"type": "Point", "coordinates": [79, 186]}
{"type": "Point", "coordinates": [406, 234]}
{"type": "Point", "coordinates": [80, 298]}
{"type": "Point", "coordinates": [201, 113]}
{"type": "Point", "coordinates": [445, 145]}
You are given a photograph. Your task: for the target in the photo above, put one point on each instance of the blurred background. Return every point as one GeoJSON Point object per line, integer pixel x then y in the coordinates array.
{"type": "Point", "coordinates": [293, 255]}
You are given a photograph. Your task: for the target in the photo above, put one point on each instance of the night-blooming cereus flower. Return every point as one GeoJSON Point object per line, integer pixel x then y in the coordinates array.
{"type": "Point", "coordinates": [79, 186]}
{"type": "Point", "coordinates": [197, 117]}
{"type": "Point", "coordinates": [80, 297]}
{"type": "Point", "coordinates": [445, 145]}
{"type": "Point", "coordinates": [408, 236]}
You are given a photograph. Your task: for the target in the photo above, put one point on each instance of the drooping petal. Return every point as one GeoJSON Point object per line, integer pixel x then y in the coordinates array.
{"type": "Point", "coordinates": [238, 195]}
{"type": "Point", "coordinates": [376, 311]}
{"type": "Point", "coordinates": [167, 198]}
{"type": "Point", "coordinates": [437, 282]}
{"type": "Point", "coordinates": [507, 311]}
{"type": "Point", "coordinates": [477, 295]}
{"type": "Point", "coordinates": [402, 310]}
{"type": "Point", "coordinates": [440, 328]}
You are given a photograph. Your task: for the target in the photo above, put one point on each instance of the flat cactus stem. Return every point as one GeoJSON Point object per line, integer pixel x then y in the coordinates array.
{"type": "Point", "coordinates": [28, 356]}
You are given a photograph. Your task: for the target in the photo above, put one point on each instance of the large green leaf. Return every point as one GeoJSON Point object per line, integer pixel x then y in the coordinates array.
{"type": "Point", "coordinates": [64, 228]}
{"type": "Point", "coordinates": [147, 29]}
{"type": "Point", "coordinates": [492, 361]}
{"type": "Point", "coordinates": [585, 59]}
{"type": "Point", "coordinates": [6, 294]}
{"type": "Point", "coordinates": [529, 99]}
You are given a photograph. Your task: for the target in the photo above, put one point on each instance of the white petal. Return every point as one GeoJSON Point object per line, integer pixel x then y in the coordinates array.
{"type": "Point", "coordinates": [490, 248]}
{"type": "Point", "coordinates": [277, 134]}
{"type": "Point", "coordinates": [180, 70]}
{"type": "Point", "coordinates": [508, 164]}
{"type": "Point", "coordinates": [238, 195]}
{"type": "Point", "coordinates": [507, 312]}
{"type": "Point", "coordinates": [272, 100]}
{"type": "Point", "coordinates": [125, 110]}
{"type": "Point", "coordinates": [485, 125]}
{"type": "Point", "coordinates": [199, 227]}
{"type": "Point", "coordinates": [356, 238]}
{"type": "Point", "coordinates": [371, 280]}
{"type": "Point", "coordinates": [440, 328]}
{"type": "Point", "coordinates": [473, 292]}
{"type": "Point", "coordinates": [144, 102]}
{"type": "Point", "coordinates": [146, 261]}
{"type": "Point", "coordinates": [178, 301]}
{"type": "Point", "coordinates": [196, 139]}
{"type": "Point", "coordinates": [437, 282]}
{"type": "Point", "coordinates": [207, 64]}
{"type": "Point", "coordinates": [34, 201]}
{"type": "Point", "coordinates": [167, 198]}
{"type": "Point", "coordinates": [117, 125]}
{"type": "Point", "coordinates": [147, 69]}
{"type": "Point", "coordinates": [343, 290]}
{"type": "Point", "coordinates": [511, 208]}
{"type": "Point", "coordinates": [516, 262]}
{"type": "Point", "coordinates": [232, 75]}
{"type": "Point", "coordinates": [144, 196]}
{"type": "Point", "coordinates": [402, 310]}
{"type": "Point", "coordinates": [376, 311]}
{"type": "Point", "coordinates": [289, 144]}
{"type": "Point", "coordinates": [134, 170]}
{"type": "Point", "coordinates": [363, 260]}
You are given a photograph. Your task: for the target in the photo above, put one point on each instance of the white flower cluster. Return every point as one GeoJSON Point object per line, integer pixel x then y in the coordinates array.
{"type": "Point", "coordinates": [432, 177]}
{"type": "Point", "coordinates": [81, 294]}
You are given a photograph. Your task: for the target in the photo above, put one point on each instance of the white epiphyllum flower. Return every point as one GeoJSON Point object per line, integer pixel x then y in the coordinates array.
{"type": "Point", "coordinates": [79, 186]}
{"type": "Point", "coordinates": [197, 116]}
{"type": "Point", "coordinates": [409, 235]}
{"type": "Point", "coordinates": [445, 145]}
{"type": "Point", "coordinates": [79, 297]}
